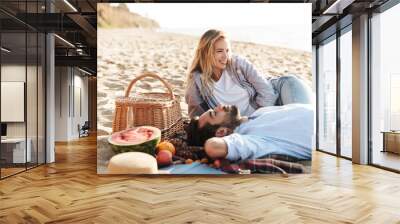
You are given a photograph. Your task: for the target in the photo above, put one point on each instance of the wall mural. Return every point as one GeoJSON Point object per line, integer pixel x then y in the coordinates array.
{"type": "Point", "coordinates": [204, 89]}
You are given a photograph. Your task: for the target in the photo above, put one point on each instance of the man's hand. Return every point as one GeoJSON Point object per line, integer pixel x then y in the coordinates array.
{"type": "Point", "coordinates": [223, 131]}
{"type": "Point", "coordinates": [216, 148]}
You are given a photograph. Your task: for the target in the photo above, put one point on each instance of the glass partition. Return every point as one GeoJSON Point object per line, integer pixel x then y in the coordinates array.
{"type": "Point", "coordinates": [327, 96]}
{"type": "Point", "coordinates": [31, 97]}
{"type": "Point", "coordinates": [22, 87]}
{"type": "Point", "coordinates": [346, 93]}
{"type": "Point", "coordinates": [13, 95]}
{"type": "Point", "coordinates": [33, 42]}
{"type": "Point", "coordinates": [41, 86]}
{"type": "Point", "coordinates": [385, 85]}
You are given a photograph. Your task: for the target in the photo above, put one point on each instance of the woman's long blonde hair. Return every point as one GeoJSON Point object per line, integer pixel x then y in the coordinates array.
{"type": "Point", "coordinates": [203, 60]}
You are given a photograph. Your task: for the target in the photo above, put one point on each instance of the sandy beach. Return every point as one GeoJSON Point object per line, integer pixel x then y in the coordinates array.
{"type": "Point", "coordinates": [125, 53]}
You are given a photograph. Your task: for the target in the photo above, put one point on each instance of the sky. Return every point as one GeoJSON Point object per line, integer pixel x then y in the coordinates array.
{"type": "Point", "coordinates": [176, 15]}
{"type": "Point", "coordinates": [289, 25]}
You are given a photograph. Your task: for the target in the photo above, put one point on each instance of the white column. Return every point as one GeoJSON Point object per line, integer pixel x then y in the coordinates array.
{"type": "Point", "coordinates": [360, 90]}
{"type": "Point", "coordinates": [50, 92]}
{"type": "Point", "coordinates": [50, 100]}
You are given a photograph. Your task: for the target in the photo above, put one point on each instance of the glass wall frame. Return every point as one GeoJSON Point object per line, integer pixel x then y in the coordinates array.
{"type": "Point", "coordinates": [335, 101]}
{"type": "Point", "coordinates": [23, 54]}
{"type": "Point", "coordinates": [372, 52]}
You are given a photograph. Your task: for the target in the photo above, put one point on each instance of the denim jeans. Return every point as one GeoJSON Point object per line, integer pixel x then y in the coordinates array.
{"type": "Point", "coordinates": [291, 89]}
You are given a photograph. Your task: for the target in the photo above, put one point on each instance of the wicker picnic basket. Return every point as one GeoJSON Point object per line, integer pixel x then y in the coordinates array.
{"type": "Point", "coordinates": [161, 110]}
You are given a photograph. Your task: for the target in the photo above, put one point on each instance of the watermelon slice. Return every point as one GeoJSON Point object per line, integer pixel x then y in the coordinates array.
{"type": "Point", "coordinates": [138, 139]}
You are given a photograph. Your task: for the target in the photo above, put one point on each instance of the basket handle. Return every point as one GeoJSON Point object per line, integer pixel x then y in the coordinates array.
{"type": "Point", "coordinates": [153, 75]}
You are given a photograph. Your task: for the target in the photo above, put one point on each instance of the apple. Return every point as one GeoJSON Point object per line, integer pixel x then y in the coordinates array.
{"type": "Point", "coordinates": [217, 163]}
{"type": "Point", "coordinates": [164, 158]}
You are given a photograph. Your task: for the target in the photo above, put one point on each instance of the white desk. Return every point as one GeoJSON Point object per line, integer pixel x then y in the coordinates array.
{"type": "Point", "coordinates": [18, 150]}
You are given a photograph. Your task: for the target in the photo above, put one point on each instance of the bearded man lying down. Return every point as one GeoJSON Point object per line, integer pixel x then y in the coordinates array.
{"type": "Point", "coordinates": [275, 130]}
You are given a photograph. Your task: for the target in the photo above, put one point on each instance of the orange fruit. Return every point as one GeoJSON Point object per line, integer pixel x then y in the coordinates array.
{"type": "Point", "coordinates": [165, 145]}
{"type": "Point", "coordinates": [204, 160]}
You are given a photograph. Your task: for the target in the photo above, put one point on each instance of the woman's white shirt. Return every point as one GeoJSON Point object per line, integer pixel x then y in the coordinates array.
{"type": "Point", "coordinates": [227, 92]}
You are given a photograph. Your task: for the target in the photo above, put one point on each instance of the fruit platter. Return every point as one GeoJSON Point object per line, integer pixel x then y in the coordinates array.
{"type": "Point", "coordinates": [140, 150]}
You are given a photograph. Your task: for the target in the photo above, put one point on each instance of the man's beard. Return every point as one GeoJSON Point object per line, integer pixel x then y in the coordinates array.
{"type": "Point", "coordinates": [198, 136]}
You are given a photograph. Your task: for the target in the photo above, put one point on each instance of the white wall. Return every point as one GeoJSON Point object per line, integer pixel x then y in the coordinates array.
{"type": "Point", "coordinates": [69, 82]}
{"type": "Point", "coordinates": [12, 73]}
{"type": "Point", "coordinates": [82, 82]}
{"type": "Point", "coordinates": [61, 103]}
{"type": "Point", "coordinates": [33, 126]}
{"type": "Point", "coordinates": [80, 89]}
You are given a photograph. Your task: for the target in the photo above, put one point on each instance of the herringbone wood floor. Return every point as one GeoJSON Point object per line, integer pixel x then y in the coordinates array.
{"type": "Point", "coordinates": [70, 191]}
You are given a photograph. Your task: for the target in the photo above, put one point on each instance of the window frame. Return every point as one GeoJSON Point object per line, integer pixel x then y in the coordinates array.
{"type": "Point", "coordinates": [334, 37]}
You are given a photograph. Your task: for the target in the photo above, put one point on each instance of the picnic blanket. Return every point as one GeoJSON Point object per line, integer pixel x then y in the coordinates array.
{"type": "Point", "coordinates": [273, 163]}
{"type": "Point", "coordinates": [265, 165]}
{"type": "Point", "coordinates": [251, 166]}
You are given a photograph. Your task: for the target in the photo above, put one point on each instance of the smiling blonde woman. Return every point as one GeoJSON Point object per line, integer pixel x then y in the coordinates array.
{"type": "Point", "coordinates": [217, 77]}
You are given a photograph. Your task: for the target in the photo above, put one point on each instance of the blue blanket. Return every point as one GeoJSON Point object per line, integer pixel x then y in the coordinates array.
{"type": "Point", "coordinates": [194, 168]}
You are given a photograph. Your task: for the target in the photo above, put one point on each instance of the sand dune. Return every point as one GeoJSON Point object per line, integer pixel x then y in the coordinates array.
{"type": "Point", "coordinates": [125, 53]}
{"type": "Point", "coordinates": [120, 17]}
